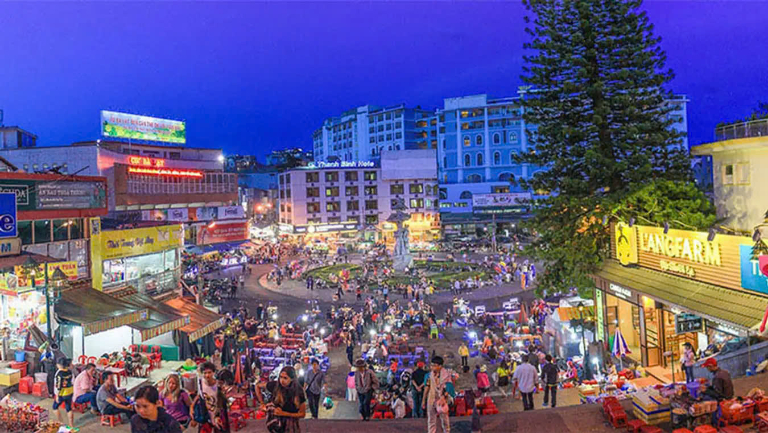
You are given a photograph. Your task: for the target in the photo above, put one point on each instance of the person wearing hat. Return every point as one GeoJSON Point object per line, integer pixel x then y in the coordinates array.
{"type": "Point", "coordinates": [366, 383]}
{"type": "Point", "coordinates": [722, 385]}
{"type": "Point", "coordinates": [313, 386]}
{"type": "Point", "coordinates": [439, 389]}
{"type": "Point", "coordinates": [417, 389]}
{"type": "Point", "coordinates": [483, 383]}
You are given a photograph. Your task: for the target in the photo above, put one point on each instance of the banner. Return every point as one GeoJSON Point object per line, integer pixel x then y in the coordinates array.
{"type": "Point", "coordinates": [501, 199]}
{"type": "Point", "coordinates": [222, 232]}
{"type": "Point", "coordinates": [131, 126]}
{"type": "Point", "coordinates": [181, 214]}
{"type": "Point", "coordinates": [8, 215]}
{"type": "Point", "coordinates": [205, 213]}
{"type": "Point", "coordinates": [153, 215]}
{"type": "Point", "coordinates": [137, 242]}
{"type": "Point", "coordinates": [23, 281]}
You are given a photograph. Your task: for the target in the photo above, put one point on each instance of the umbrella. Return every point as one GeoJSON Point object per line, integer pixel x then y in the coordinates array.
{"type": "Point", "coordinates": [620, 347]}
{"type": "Point", "coordinates": [238, 370]}
{"type": "Point", "coordinates": [523, 315]}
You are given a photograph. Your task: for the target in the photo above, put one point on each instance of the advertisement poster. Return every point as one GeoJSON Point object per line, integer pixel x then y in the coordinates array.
{"type": "Point", "coordinates": [501, 199]}
{"type": "Point", "coordinates": [178, 214]}
{"type": "Point", "coordinates": [131, 126]}
{"type": "Point", "coordinates": [153, 215]}
{"type": "Point", "coordinates": [231, 212]}
{"type": "Point", "coordinates": [205, 213]}
{"type": "Point", "coordinates": [222, 232]}
{"type": "Point", "coordinates": [70, 195]}
{"type": "Point", "coordinates": [8, 215]}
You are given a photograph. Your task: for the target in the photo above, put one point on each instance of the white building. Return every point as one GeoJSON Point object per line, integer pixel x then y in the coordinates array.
{"type": "Point", "coordinates": [738, 155]}
{"type": "Point", "coordinates": [365, 132]}
{"type": "Point", "coordinates": [354, 195]}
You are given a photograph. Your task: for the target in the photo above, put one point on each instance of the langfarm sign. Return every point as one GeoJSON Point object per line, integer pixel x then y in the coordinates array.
{"type": "Point", "coordinates": [501, 199]}
{"type": "Point", "coordinates": [132, 126]}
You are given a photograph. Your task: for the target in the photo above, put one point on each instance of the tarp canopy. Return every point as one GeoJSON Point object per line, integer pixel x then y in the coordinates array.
{"type": "Point", "coordinates": [202, 321]}
{"type": "Point", "coordinates": [96, 311]}
{"type": "Point", "coordinates": [205, 249]}
{"type": "Point", "coordinates": [567, 314]}
{"type": "Point", "coordinates": [162, 318]}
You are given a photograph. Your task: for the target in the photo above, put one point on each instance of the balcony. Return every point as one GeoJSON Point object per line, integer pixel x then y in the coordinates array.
{"type": "Point", "coordinates": [754, 128]}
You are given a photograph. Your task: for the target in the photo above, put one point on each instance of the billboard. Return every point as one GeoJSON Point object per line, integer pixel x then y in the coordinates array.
{"type": "Point", "coordinates": [56, 195]}
{"type": "Point", "coordinates": [8, 215]}
{"type": "Point", "coordinates": [501, 199]}
{"type": "Point", "coordinates": [131, 126]}
{"type": "Point", "coordinates": [222, 232]}
{"type": "Point", "coordinates": [137, 242]}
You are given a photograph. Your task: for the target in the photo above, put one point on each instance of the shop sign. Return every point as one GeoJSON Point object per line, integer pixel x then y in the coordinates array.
{"type": "Point", "coordinates": [341, 164]}
{"type": "Point", "coordinates": [51, 195]}
{"type": "Point", "coordinates": [146, 161]}
{"type": "Point", "coordinates": [10, 247]}
{"type": "Point", "coordinates": [231, 212]}
{"type": "Point", "coordinates": [621, 292]}
{"type": "Point", "coordinates": [69, 268]}
{"type": "Point", "coordinates": [205, 213]}
{"type": "Point", "coordinates": [626, 244]}
{"type": "Point", "coordinates": [680, 245]}
{"type": "Point", "coordinates": [600, 312]}
{"type": "Point", "coordinates": [501, 199]}
{"type": "Point", "coordinates": [751, 276]}
{"type": "Point", "coordinates": [285, 228]}
{"type": "Point", "coordinates": [181, 214]}
{"type": "Point", "coordinates": [8, 215]}
{"type": "Point", "coordinates": [137, 242]}
{"type": "Point", "coordinates": [325, 228]}
{"type": "Point", "coordinates": [222, 232]}
{"type": "Point", "coordinates": [685, 323]}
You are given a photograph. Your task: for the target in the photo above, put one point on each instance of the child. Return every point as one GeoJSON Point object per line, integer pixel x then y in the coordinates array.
{"type": "Point", "coordinates": [63, 390]}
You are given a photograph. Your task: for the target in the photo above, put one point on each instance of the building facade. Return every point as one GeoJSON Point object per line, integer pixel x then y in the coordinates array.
{"type": "Point", "coordinates": [359, 195]}
{"type": "Point", "coordinates": [737, 155]}
{"type": "Point", "coordinates": [365, 132]}
{"type": "Point", "coordinates": [294, 157]}
{"type": "Point", "coordinates": [12, 137]}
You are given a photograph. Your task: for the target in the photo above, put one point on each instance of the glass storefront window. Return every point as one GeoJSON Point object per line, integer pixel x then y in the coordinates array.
{"type": "Point", "coordinates": [151, 273]}
{"type": "Point", "coordinates": [652, 331]}
{"type": "Point", "coordinates": [76, 229]}
{"type": "Point", "coordinates": [42, 231]}
{"type": "Point", "coordinates": [60, 230]}
{"type": "Point", "coordinates": [25, 232]}
{"type": "Point", "coordinates": [625, 316]}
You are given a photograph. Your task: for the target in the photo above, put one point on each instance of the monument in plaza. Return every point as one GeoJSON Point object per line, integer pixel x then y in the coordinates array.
{"type": "Point", "coordinates": [401, 255]}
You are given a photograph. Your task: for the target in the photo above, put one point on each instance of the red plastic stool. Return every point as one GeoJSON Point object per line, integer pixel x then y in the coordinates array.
{"type": "Point", "coordinates": [376, 415]}
{"type": "Point", "coordinates": [80, 407]}
{"type": "Point", "coordinates": [634, 425]}
{"type": "Point", "coordinates": [110, 420]}
{"type": "Point", "coordinates": [705, 429]}
{"type": "Point", "coordinates": [650, 429]}
{"type": "Point", "coordinates": [681, 430]}
{"type": "Point", "coordinates": [40, 389]}
{"type": "Point", "coordinates": [619, 419]}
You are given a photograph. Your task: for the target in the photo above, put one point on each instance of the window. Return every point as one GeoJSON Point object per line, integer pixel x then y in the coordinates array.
{"type": "Point", "coordinates": [445, 204]}
{"type": "Point", "coordinates": [372, 219]}
{"type": "Point", "coordinates": [496, 158]}
{"type": "Point", "coordinates": [398, 125]}
{"type": "Point", "coordinates": [398, 135]}
{"type": "Point", "coordinates": [445, 161]}
{"type": "Point", "coordinates": [25, 232]}
{"type": "Point", "coordinates": [372, 139]}
{"type": "Point", "coordinates": [334, 219]}
{"type": "Point", "coordinates": [467, 160]}
{"type": "Point", "coordinates": [461, 204]}
{"type": "Point", "coordinates": [333, 206]}
{"type": "Point", "coordinates": [479, 140]}
{"type": "Point", "coordinates": [314, 221]}
{"type": "Point", "coordinates": [332, 176]}
{"type": "Point", "coordinates": [371, 190]}
{"type": "Point", "coordinates": [479, 159]}
{"type": "Point", "coordinates": [313, 207]}
{"type": "Point", "coordinates": [513, 137]}
{"type": "Point", "coordinates": [496, 138]}
{"type": "Point", "coordinates": [75, 229]}
{"type": "Point", "coordinates": [389, 137]}
{"type": "Point", "coordinates": [506, 177]}
{"type": "Point", "coordinates": [417, 203]}
{"type": "Point", "coordinates": [350, 176]}
{"type": "Point", "coordinates": [353, 205]}
{"type": "Point", "coordinates": [728, 174]}
{"type": "Point", "coordinates": [353, 219]}
{"type": "Point", "coordinates": [332, 191]}
{"type": "Point", "coordinates": [389, 126]}
{"type": "Point", "coordinates": [443, 194]}
{"type": "Point", "coordinates": [474, 178]}
{"type": "Point", "coordinates": [464, 114]}
{"type": "Point", "coordinates": [371, 130]}
{"type": "Point", "coordinates": [500, 189]}
{"type": "Point", "coordinates": [466, 195]}
{"type": "Point", "coordinates": [42, 231]}
{"type": "Point", "coordinates": [60, 230]}
{"type": "Point", "coordinates": [371, 205]}
{"type": "Point", "coordinates": [313, 177]}
{"type": "Point", "coordinates": [369, 175]}
{"type": "Point", "coordinates": [313, 192]}
{"type": "Point", "coordinates": [396, 189]}
{"type": "Point", "coordinates": [351, 191]}
{"type": "Point", "coordinates": [380, 128]}
{"type": "Point", "coordinates": [288, 178]}
{"type": "Point", "coordinates": [443, 143]}
{"type": "Point", "coordinates": [742, 173]}
{"type": "Point", "coordinates": [381, 138]}
{"type": "Point", "coordinates": [416, 188]}
{"type": "Point", "coordinates": [467, 141]}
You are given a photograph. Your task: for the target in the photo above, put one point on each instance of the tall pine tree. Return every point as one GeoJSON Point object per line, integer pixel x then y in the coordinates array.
{"type": "Point", "coordinates": [603, 140]}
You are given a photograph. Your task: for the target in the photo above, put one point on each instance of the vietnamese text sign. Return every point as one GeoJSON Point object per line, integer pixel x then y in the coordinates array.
{"type": "Point", "coordinates": [685, 323]}
{"type": "Point", "coordinates": [136, 242]}
{"type": "Point", "coordinates": [70, 195]}
{"type": "Point", "coordinates": [131, 126]}
{"type": "Point", "coordinates": [231, 212]}
{"type": "Point", "coordinates": [501, 199]}
{"type": "Point", "coordinates": [8, 215]}
{"type": "Point", "coordinates": [222, 232]}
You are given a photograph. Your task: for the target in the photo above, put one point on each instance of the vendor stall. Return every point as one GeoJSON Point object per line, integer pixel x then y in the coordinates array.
{"type": "Point", "coordinates": [93, 323]}
{"type": "Point", "coordinates": [202, 323]}
{"type": "Point", "coordinates": [161, 321]}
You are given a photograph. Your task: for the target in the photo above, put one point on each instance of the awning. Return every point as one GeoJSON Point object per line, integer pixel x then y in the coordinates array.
{"type": "Point", "coordinates": [202, 321]}
{"type": "Point", "coordinates": [161, 319]}
{"type": "Point", "coordinates": [96, 311]}
{"type": "Point", "coordinates": [567, 314]}
{"type": "Point", "coordinates": [205, 249]}
{"type": "Point", "coordinates": [740, 309]}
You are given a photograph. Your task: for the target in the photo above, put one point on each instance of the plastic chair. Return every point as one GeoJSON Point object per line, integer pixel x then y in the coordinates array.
{"type": "Point", "coordinates": [110, 420]}
{"type": "Point", "coordinates": [80, 407]}
{"type": "Point", "coordinates": [91, 360]}
{"type": "Point", "coordinates": [156, 349]}
{"type": "Point", "coordinates": [82, 359]}
{"type": "Point", "coordinates": [133, 348]}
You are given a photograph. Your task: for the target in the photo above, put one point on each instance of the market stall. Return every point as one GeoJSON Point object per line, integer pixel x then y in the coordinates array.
{"type": "Point", "coordinates": [162, 320]}
{"type": "Point", "coordinates": [195, 337]}
{"type": "Point", "coordinates": [93, 323]}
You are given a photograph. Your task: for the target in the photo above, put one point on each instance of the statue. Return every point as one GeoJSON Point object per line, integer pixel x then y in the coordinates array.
{"type": "Point", "coordinates": [401, 256]}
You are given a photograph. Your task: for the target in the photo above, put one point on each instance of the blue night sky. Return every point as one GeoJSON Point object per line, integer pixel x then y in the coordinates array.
{"type": "Point", "coordinates": [252, 77]}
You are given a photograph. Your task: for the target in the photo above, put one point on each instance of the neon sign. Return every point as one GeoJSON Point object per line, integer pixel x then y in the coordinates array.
{"type": "Point", "coordinates": [166, 172]}
{"type": "Point", "coordinates": [146, 161]}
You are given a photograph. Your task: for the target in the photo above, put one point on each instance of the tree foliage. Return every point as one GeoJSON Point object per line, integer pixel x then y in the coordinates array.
{"type": "Point", "coordinates": [603, 142]}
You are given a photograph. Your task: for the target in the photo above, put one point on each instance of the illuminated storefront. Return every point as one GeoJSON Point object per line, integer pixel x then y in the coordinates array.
{"type": "Point", "coordinates": [663, 290]}
{"type": "Point", "coordinates": [145, 258]}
